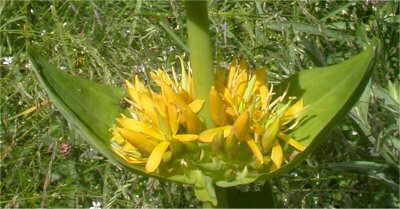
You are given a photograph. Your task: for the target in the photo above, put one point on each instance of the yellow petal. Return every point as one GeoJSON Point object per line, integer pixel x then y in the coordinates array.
{"type": "Point", "coordinates": [159, 104]}
{"type": "Point", "coordinates": [208, 135]}
{"type": "Point", "coordinates": [217, 108]}
{"type": "Point", "coordinates": [173, 98]}
{"type": "Point", "coordinates": [139, 86]}
{"type": "Point", "coordinates": [139, 126]}
{"type": "Point", "coordinates": [277, 154]}
{"type": "Point", "coordinates": [241, 126]}
{"type": "Point", "coordinates": [128, 159]}
{"type": "Point", "coordinates": [148, 106]}
{"type": "Point", "coordinates": [191, 121]}
{"type": "Point", "coordinates": [143, 143]}
{"type": "Point", "coordinates": [220, 78]}
{"type": "Point", "coordinates": [256, 151]}
{"type": "Point", "coordinates": [173, 118]}
{"type": "Point", "coordinates": [186, 97]}
{"type": "Point", "coordinates": [227, 130]}
{"type": "Point", "coordinates": [131, 91]}
{"type": "Point", "coordinates": [117, 137]}
{"type": "Point", "coordinates": [230, 111]}
{"type": "Point", "coordinates": [241, 84]}
{"type": "Point", "coordinates": [261, 77]}
{"type": "Point", "coordinates": [269, 136]}
{"type": "Point", "coordinates": [156, 156]}
{"type": "Point", "coordinates": [265, 96]}
{"type": "Point", "coordinates": [243, 66]}
{"type": "Point", "coordinates": [196, 105]}
{"type": "Point", "coordinates": [190, 87]}
{"type": "Point", "coordinates": [292, 142]}
{"type": "Point", "coordinates": [294, 110]}
{"type": "Point", "coordinates": [232, 73]}
{"type": "Point", "coordinates": [186, 137]}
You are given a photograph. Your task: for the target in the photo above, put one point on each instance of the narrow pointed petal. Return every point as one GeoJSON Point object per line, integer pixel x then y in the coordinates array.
{"type": "Point", "coordinates": [196, 105]}
{"type": "Point", "coordinates": [156, 156]}
{"type": "Point", "coordinates": [139, 126]}
{"type": "Point", "coordinates": [143, 143]}
{"type": "Point", "coordinates": [241, 84]}
{"type": "Point", "coordinates": [243, 66]}
{"type": "Point", "coordinates": [256, 151]}
{"type": "Point", "coordinates": [241, 126]}
{"type": "Point", "coordinates": [294, 110]}
{"type": "Point", "coordinates": [269, 136]}
{"type": "Point", "coordinates": [130, 160]}
{"type": "Point", "coordinates": [232, 72]}
{"type": "Point", "coordinates": [173, 118]}
{"type": "Point", "coordinates": [277, 154]}
{"type": "Point", "coordinates": [148, 107]}
{"type": "Point", "coordinates": [261, 77]}
{"type": "Point", "coordinates": [220, 79]}
{"type": "Point", "coordinates": [131, 91]}
{"type": "Point", "coordinates": [117, 137]}
{"type": "Point", "coordinates": [217, 108]}
{"type": "Point", "coordinates": [292, 142]}
{"type": "Point", "coordinates": [186, 137]}
{"type": "Point", "coordinates": [139, 86]}
{"type": "Point", "coordinates": [208, 135]}
{"type": "Point", "coordinates": [173, 98]}
{"type": "Point", "coordinates": [265, 96]}
{"type": "Point", "coordinates": [191, 121]}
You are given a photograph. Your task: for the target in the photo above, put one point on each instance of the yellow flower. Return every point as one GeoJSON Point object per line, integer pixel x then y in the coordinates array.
{"type": "Point", "coordinates": [244, 109]}
{"type": "Point", "coordinates": [241, 106]}
{"type": "Point", "coordinates": [157, 119]}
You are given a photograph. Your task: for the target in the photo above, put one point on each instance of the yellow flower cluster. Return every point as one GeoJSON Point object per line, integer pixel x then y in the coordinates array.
{"type": "Point", "coordinates": [246, 110]}
{"type": "Point", "coordinates": [242, 107]}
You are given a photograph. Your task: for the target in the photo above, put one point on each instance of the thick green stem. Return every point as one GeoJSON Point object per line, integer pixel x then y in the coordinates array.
{"type": "Point", "coordinates": [200, 52]}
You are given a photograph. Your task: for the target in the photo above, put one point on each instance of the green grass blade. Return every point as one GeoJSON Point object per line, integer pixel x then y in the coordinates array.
{"type": "Point", "coordinates": [173, 35]}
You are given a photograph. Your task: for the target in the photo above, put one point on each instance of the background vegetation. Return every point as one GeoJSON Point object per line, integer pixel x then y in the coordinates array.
{"type": "Point", "coordinates": [44, 163]}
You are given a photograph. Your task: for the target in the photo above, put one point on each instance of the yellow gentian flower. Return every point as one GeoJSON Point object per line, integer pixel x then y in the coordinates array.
{"type": "Point", "coordinates": [243, 104]}
{"type": "Point", "coordinates": [156, 120]}
{"type": "Point", "coordinates": [244, 109]}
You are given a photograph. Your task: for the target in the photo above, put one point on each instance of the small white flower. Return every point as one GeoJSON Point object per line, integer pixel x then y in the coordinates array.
{"type": "Point", "coordinates": [29, 64]}
{"type": "Point", "coordinates": [7, 60]}
{"type": "Point", "coordinates": [354, 133]}
{"type": "Point", "coordinates": [95, 205]}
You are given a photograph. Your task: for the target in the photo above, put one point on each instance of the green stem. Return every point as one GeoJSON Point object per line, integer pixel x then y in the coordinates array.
{"type": "Point", "coordinates": [200, 50]}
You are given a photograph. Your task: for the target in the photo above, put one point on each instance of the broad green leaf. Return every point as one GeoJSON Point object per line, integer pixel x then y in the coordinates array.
{"type": "Point", "coordinates": [90, 107]}
{"type": "Point", "coordinates": [329, 93]}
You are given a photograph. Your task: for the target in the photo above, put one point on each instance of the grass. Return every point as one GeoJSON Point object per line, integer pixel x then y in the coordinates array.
{"type": "Point", "coordinates": [44, 163]}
